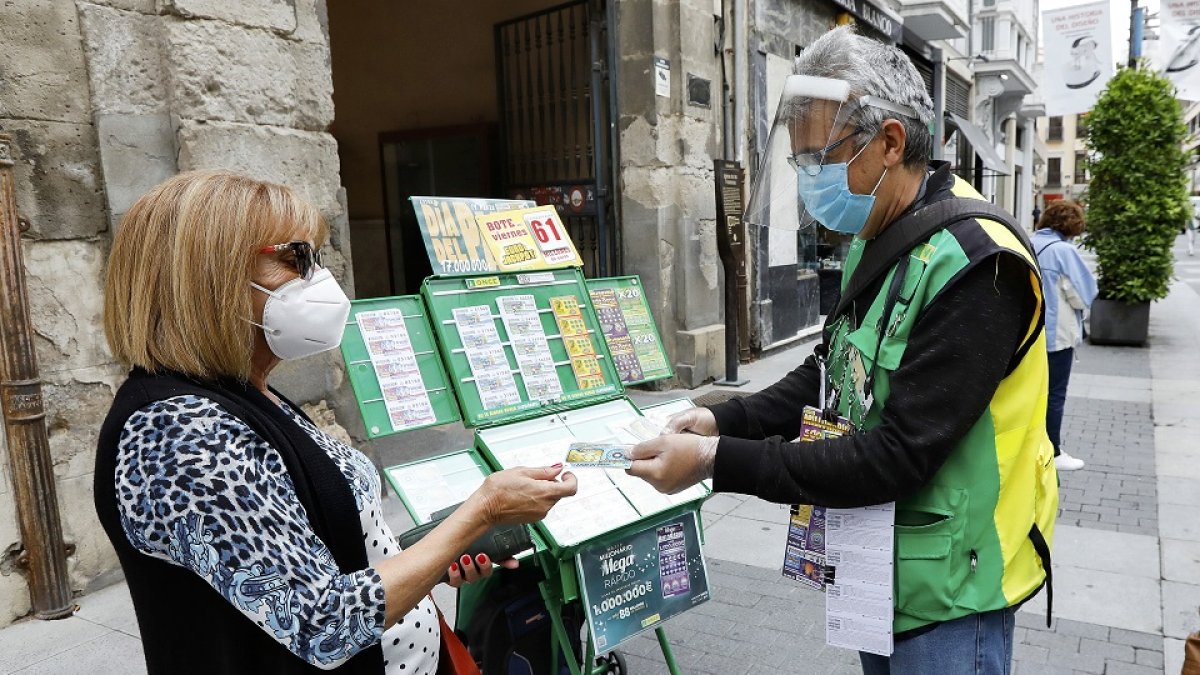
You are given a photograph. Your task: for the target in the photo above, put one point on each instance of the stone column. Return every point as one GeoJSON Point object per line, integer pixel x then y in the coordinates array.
{"type": "Point", "coordinates": [1009, 184]}
{"type": "Point", "coordinates": [1026, 187]}
{"type": "Point", "coordinates": [246, 86]}
{"type": "Point", "coordinates": [667, 194]}
{"type": "Point", "coordinates": [105, 99]}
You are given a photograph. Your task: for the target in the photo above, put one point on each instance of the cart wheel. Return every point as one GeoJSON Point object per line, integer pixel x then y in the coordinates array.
{"type": "Point", "coordinates": [615, 662]}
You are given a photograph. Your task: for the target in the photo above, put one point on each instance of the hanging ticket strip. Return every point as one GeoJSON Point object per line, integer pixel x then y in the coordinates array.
{"type": "Point", "coordinates": [528, 340]}
{"type": "Point", "coordinates": [629, 329]}
{"type": "Point", "coordinates": [517, 343]}
{"type": "Point", "coordinates": [573, 329]}
{"type": "Point", "coordinates": [848, 554]}
{"type": "Point", "coordinates": [394, 367]}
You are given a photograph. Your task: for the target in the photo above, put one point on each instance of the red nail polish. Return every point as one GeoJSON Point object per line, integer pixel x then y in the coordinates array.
{"type": "Point", "coordinates": [453, 567]}
{"type": "Point", "coordinates": [466, 560]}
{"type": "Point", "coordinates": [481, 559]}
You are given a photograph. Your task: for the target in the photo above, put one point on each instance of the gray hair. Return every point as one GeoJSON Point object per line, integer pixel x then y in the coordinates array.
{"type": "Point", "coordinates": [874, 69]}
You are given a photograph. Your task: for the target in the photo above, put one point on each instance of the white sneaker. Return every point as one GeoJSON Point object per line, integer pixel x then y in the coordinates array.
{"type": "Point", "coordinates": [1065, 462]}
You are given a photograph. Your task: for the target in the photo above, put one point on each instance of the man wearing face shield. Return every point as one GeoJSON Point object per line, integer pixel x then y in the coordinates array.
{"type": "Point", "coordinates": [936, 357]}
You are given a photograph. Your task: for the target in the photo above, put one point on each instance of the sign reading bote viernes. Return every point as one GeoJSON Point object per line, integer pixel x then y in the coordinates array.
{"type": "Point", "coordinates": [526, 239]}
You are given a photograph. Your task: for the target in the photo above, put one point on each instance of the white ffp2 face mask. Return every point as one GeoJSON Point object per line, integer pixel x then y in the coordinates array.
{"type": "Point", "coordinates": [302, 318]}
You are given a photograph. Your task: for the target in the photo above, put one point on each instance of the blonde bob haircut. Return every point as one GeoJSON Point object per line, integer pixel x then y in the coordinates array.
{"type": "Point", "coordinates": [178, 296]}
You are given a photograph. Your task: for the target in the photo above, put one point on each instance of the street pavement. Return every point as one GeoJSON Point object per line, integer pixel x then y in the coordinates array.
{"type": "Point", "coordinates": [1126, 550]}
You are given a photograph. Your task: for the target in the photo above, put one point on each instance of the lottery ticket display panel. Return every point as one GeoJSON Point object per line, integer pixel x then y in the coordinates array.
{"type": "Point", "coordinates": [519, 345]}
{"type": "Point", "coordinates": [394, 366]}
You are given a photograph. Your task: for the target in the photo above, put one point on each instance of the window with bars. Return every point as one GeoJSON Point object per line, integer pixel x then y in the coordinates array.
{"type": "Point", "coordinates": [1054, 171]}
{"type": "Point", "coordinates": [1054, 131]}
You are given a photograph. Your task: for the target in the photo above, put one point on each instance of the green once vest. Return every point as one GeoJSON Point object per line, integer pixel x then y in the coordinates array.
{"type": "Point", "coordinates": [963, 542]}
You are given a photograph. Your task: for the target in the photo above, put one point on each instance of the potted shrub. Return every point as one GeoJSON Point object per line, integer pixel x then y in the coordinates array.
{"type": "Point", "coordinates": [1136, 201]}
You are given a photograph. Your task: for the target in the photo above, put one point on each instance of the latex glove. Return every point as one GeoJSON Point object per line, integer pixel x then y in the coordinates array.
{"type": "Point", "coordinates": [696, 420]}
{"type": "Point", "coordinates": [674, 462]}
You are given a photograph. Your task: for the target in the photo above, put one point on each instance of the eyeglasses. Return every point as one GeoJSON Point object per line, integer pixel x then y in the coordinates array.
{"type": "Point", "coordinates": [810, 162]}
{"type": "Point", "coordinates": [304, 257]}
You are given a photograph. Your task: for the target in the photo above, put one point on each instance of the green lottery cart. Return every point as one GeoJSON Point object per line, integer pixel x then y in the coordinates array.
{"type": "Point", "coordinates": [534, 361]}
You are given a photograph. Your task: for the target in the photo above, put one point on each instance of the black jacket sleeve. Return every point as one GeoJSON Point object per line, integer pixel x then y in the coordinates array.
{"type": "Point", "coordinates": [961, 347]}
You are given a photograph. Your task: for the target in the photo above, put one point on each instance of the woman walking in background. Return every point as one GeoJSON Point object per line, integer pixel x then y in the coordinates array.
{"type": "Point", "coordinates": [1069, 289]}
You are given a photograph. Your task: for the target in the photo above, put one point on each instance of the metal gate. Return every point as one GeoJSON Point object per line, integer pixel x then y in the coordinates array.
{"type": "Point", "coordinates": [556, 140]}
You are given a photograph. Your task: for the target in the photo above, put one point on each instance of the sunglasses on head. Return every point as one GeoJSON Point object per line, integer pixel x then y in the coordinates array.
{"type": "Point", "coordinates": [300, 254]}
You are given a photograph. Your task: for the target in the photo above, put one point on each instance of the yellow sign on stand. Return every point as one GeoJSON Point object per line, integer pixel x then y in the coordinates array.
{"type": "Point", "coordinates": [465, 235]}
{"type": "Point", "coordinates": [528, 239]}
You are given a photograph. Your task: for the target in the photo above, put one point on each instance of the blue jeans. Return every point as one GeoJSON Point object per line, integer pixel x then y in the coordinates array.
{"type": "Point", "coordinates": [979, 644]}
{"type": "Point", "coordinates": [1060, 376]}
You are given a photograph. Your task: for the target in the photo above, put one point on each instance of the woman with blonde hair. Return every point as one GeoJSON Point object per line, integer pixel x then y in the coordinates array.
{"type": "Point", "coordinates": [252, 542]}
{"type": "Point", "coordinates": [1069, 289]}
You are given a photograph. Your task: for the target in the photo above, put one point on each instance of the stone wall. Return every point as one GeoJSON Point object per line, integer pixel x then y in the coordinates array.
{"type": "Point", "coordinates": [668, 204]}
{"type": "Point", "coordinates": [105, 99]}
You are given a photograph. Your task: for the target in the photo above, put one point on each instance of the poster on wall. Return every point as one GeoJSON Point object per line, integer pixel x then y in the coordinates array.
{"type": "Point", "coordinates": [1180, 46]}
{"type": "Point", "coordinates": [1078, 57]}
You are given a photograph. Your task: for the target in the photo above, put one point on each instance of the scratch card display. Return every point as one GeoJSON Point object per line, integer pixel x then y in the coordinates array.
{"type": "Point", "coordinates": [642, 333]}
{"type": "Point", "coordinates": [485, 354]}
{"type": "Point", "coordinates": [616, 332]}
{"type": "Point", "coordinates": [573, 329]}
{"type": "Point", "coordinates": [395, 364]}
{"type": "Point", "coordinates": [528, 340]}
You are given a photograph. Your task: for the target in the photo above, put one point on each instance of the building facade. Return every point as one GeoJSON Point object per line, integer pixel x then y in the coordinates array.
{"type": "Point", "coordinates": [1066, 174]}
{"type": "Point", "coordinates": [1191, 146]}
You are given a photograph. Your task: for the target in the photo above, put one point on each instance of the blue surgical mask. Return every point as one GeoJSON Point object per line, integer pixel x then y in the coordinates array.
{"type": "Point", "coordinates": [827, 197]}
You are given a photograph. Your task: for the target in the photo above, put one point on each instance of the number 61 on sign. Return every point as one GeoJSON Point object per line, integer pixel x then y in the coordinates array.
{"type": "Point", "coordinates": [530, 238]}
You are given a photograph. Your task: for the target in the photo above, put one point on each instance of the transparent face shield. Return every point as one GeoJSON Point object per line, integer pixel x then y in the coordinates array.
{"type": "Point", "coordinates": [816, 121]}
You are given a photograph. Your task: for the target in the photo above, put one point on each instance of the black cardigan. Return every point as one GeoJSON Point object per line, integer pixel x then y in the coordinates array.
{"type": "Point", "coordinates": [186, 625]}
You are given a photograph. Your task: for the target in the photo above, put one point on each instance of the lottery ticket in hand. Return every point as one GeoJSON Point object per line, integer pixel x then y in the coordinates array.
{"type": "Point", "coordinates": [599, 456]}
